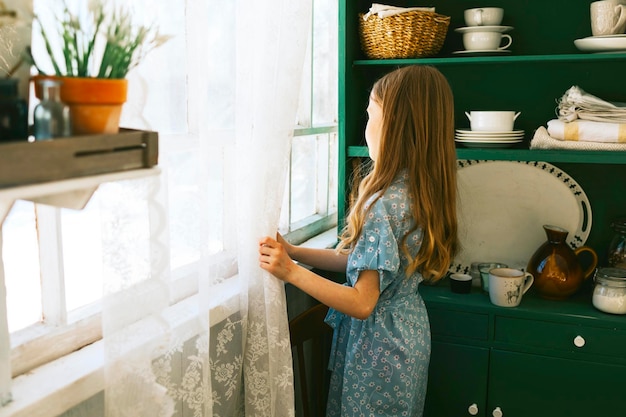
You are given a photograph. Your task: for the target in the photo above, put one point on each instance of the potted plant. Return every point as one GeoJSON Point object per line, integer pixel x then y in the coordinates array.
{"type": "Point", "coordinates": [91, 53]}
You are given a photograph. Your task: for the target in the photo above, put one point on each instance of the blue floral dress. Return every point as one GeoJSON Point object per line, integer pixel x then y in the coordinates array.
{"type": "Point", "coordinates": [380, 365]}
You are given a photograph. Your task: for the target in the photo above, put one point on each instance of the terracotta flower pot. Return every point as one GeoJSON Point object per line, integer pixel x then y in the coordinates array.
{"type": "Point", "coordinates": [95, 103]}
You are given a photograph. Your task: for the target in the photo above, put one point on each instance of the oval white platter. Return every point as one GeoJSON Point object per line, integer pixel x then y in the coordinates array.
{"type": "Point", "coordinates": [503, 206]}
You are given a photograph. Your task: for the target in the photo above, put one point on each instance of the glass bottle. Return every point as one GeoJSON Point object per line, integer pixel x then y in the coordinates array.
{"type": "Point", "coordinates": [13, 112]}
{"type": "Point", "coordinates": [51, 117]}
{"type": "Point", "coordinates": [617, 247]}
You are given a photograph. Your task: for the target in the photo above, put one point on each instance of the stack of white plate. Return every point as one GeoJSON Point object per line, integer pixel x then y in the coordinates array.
{"type": "Point", "coordinates": [481, 139]}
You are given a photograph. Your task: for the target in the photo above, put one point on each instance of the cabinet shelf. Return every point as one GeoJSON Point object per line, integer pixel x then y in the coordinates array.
{"type": "Point", "coordinates": [508, 59]}
{"type": "Point", "coordinates": [587, 157]}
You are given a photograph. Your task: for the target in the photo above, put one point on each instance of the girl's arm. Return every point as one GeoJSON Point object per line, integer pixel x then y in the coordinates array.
{"type": "Point", "coordinates": [326, 259]}
{"type": "Point", "coordinates": [358, 301]}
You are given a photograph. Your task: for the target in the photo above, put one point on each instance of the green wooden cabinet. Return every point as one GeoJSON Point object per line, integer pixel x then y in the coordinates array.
{"type": "Point", "coordinates": [457, 382]}
{"type": "Point", "coordinates": [541, 359]}
{"type": "Point", "coordinates": [523, 360]}
{"type": "Point", "coordinates": [523, 384]}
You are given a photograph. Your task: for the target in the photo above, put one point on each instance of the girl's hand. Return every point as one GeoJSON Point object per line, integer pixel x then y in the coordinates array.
{"type": "Point", "coordinates": [274, 258]}
{"type": "Point", "coordinates": [288, 246]}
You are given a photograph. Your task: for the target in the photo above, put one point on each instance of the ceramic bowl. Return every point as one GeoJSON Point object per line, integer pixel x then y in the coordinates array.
{"type": "Point", "coordinates": [492, 121]}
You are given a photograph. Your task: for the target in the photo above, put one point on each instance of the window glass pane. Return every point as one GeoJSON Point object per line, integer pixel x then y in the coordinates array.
{"type": "Point", "coordinates": [333, 169]}
{"type": "Point", "coordinates": [303, 177]}
{"type": "Point", "coordinates": [123, 206]}
{"type": "Point", "coordinates": [82, 255]}
{"type": "Point", "coordinates": [185, 211]}
{"type": "Point", "coordinates": [126, 235]}
{"type": "Point", "coordinates": [325, 68]}
{"type": "Point", "coordinates": [161, 77]}
{"type": "Point", "coordinates": [20, 253]}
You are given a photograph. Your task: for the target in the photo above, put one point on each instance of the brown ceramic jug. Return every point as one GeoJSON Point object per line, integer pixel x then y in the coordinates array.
{"type": "Point", "coordinates": [556, 268]}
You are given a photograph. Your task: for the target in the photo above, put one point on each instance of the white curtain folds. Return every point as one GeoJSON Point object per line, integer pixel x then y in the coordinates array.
{"type": "Point", "coordinates": [225, 351]}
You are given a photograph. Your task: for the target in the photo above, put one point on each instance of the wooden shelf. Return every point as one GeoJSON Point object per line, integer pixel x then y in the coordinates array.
{"type": "Point", "coordinates": [26, 162]}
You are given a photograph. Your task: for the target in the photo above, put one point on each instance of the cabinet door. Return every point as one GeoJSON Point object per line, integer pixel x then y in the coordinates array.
{"type": "Point", "coordinates": [525, 385]}
{"type": "Point", "coordinates": [457, 380]}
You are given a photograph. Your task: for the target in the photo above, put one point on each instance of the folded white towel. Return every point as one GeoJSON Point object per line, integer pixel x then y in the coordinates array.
{"type": "Point", "coordinates": [577, 104]}
{"type": "Point", "coordinates": [587, 131]}
{"type": "Point", "coordinates": [383, 10]}
{"type": "Point", "coordinates": [542, 140]}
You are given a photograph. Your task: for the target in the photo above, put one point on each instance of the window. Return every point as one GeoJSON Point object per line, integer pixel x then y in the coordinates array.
{"type": "Point", "coordinates": [312, 186]}
{"type": "Point", "coordinates": [52, 257]}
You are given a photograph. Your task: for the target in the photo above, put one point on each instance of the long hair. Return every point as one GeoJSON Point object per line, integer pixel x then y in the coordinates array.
{"type": "Point", "coordinates": [417, 136]}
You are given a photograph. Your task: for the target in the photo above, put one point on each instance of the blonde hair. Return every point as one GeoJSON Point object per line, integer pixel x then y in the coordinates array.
{"type": "Point", "coordinates": [416, 136]}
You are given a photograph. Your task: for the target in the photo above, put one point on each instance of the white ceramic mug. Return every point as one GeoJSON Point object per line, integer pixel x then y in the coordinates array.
{"type": "Point", "coordinates": [608, 17]}
{"type": "Point", "coordinates": [492, 121]}
{"type": "Point", "coordinates": [486, 41]}
{"type": "Point", "coordinates": [508, 285]}
{"type": "Point", "coordinates": [483, 16]}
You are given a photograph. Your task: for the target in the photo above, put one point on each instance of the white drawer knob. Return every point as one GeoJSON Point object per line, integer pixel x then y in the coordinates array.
{"type": "Point", "coordinates": [473, 409]}
{"type": "Point", "coordinates": [497, 412]}
{"type": "Point", "coordinates": [579, 341]}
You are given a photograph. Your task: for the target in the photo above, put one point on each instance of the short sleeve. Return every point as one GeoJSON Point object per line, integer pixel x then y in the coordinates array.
{"type": "Point", "coordinates": [377, 248]}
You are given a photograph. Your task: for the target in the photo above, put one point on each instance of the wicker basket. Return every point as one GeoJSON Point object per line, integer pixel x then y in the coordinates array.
{"type": "Point", "coordinates": [406, 35]}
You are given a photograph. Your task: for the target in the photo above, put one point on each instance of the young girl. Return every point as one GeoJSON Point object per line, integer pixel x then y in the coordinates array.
{"type": "Point", "coordinates": [401, 230]}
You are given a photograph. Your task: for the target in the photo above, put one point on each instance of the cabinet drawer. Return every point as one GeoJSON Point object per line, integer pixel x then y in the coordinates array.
{"type": "Point", "coordinates": [451, 323]}
{"type": "Point", "coordinates": [560, 336]}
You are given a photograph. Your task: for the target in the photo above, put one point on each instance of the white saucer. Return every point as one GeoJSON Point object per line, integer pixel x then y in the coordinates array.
{"type": "Point", "coordinates": [488, 140]}
{"type": "Point", "coordinates": [489, 133]}
{"type": "Point", "coordinates": [501, 29]}
{"type": "Point", "coordinates": [611, 43]}
{"type": "Point", "coordinates": [479, 137]}
{"type": "Point", "coordinates": [484, 135]}
{"type": "Point", "coordinates": [484, 52]}
{"type": "Point", "coordinates": [608, 36]}
{"type": "Point", "coordinates": [490, 137]}
{"type": "Point", "coordinates": [488, 144]}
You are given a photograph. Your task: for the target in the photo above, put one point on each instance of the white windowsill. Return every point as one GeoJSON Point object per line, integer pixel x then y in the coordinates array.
{"type": "Point", "coordinates": [325, 240]}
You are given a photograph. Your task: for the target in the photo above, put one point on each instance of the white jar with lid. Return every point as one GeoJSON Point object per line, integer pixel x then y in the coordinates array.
{"type": "Point", "coordinates": [609, 292]}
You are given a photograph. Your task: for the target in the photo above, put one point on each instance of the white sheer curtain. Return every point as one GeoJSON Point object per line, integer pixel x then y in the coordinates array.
{"type": "Point", "coordinates": [223, 98]}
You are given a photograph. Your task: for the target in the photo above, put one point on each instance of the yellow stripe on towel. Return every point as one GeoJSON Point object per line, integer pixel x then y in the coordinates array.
{"type": "Point", "coordinates": [570, 131]}
{"type": "Point", "coordinates": [621, 134]}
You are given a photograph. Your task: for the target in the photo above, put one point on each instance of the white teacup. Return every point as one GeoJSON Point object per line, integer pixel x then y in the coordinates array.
{"type": "Point", "coordinates": [486, 41]}
{"type": "Point", "coordinates": [492, 121]}
{"type": "Point", "coordinates": [608, 17]}
{"type": "Point", "coordinates": [508, 285]}
{"type": "Point", "coordinates": [483, 16]}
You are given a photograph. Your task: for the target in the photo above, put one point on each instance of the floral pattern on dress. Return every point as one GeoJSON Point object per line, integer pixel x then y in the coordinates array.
{"type": "Point", "coordinates": [380, 365]}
